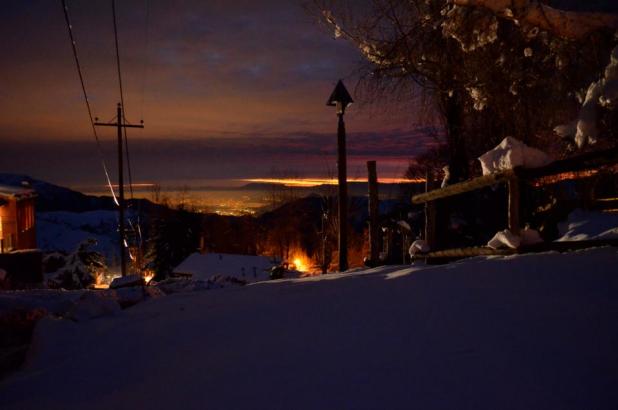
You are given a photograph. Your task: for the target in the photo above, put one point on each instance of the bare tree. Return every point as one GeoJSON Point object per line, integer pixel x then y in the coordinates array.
{"type": "Point", "coordinates": [487, 75]}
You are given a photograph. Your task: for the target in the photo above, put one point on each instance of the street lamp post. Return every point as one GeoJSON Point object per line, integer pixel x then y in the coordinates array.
{"type": "Point", "coordinates": [341, 99]}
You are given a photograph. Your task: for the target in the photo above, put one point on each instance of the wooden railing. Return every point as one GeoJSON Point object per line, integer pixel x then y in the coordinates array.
{"type": "Point", "coordinates": [513, 179]}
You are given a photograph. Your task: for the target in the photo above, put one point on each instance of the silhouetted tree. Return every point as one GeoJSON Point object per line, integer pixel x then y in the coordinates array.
{"type": "Point", "coordinates": [488, 75]}
{"type": "Point", "coordinates": [173, 237]}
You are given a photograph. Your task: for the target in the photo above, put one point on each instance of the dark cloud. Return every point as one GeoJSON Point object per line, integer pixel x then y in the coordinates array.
{"type": "Point", "coordinates": [230, 89]}
{"type": "Point", "coordinates": [253, 156]}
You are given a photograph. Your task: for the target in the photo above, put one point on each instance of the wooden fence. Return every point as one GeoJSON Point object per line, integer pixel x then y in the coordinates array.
{"type": "Point", "coordinates": [513, 179]}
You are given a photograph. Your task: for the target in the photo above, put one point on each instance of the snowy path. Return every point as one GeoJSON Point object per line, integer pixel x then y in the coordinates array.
{"type": "Point", "coordinates": [527, 332]}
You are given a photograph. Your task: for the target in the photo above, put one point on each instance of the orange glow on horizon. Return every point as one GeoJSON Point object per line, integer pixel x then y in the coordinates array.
{"type": "Point", "coordinates": [312, 182]}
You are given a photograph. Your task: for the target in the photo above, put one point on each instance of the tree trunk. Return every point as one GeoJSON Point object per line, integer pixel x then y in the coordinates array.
{"type": "Point", "coordinates": [458, 158]}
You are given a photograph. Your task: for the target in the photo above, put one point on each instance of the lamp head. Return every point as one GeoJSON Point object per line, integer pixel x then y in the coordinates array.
{"type": "Point", "coordinates": [340, 98]}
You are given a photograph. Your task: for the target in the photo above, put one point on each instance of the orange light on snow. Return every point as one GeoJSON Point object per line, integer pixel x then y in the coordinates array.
{"type": "Point", "coordinates": [302, 263]}
{"type": "Point", "coordinates": [148, 275]}
{"type": "Point", "coordinates": [300, 266]}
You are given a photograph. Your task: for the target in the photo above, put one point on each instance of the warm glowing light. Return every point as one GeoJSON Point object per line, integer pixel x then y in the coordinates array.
{"type": "Point", "coordinates": [138, 185]}
{"type": "Point", "coordinates": [312, 182]}
{"type": "Point", "coordinates": [565, 176]}
{"type": "Point", "coordinates": [300, 266]}
{"type": "Point", "coordinates": [303, 264]}
{"type": "Point", "coordinates": [147, 275]}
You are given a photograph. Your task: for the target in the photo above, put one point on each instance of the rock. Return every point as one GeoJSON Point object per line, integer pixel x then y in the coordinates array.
{"type": "Point", "coordinates": [127, 281]}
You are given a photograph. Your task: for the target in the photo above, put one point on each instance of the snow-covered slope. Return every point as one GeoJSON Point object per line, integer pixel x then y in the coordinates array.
{"type": "Point", "coordinates": [64, 231]}
{"type": "Point", "coordinates": [524, 332]}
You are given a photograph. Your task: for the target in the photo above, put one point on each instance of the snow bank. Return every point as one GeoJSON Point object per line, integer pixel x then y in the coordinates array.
{"type": "Point", "coordinates": [583, 225]}
{"type": "Point", "coordinates": [92, 305]}
{"type": "Point", "coordinates": [521, 332]}
{"type": "Point", "coordinates": [55, 302]}
{"type": "Point", "coordinates": [504, 239]}
{"type": "Point", "coordinates": [507, 239]}
{"type": "Point", "coordinates": [181, 285]}
{"type": "Point", "coordinates": [76, 304]}
{"type": "Point", "coordinates": [512, 153]}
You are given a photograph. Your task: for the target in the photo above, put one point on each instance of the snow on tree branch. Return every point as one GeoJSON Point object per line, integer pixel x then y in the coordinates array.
{"type": "Point", "coordinates": [603, 92]}
{"type": "Point", "coordinates": [567, 24]}
{"type": "Point", "coordinates": [470, 37]}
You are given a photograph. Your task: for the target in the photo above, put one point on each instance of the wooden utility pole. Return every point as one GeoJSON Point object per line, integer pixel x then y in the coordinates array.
{"type": "Point", "coordinates": [119, 124]}
{"type": "Point", "coordinates": [373, 212]}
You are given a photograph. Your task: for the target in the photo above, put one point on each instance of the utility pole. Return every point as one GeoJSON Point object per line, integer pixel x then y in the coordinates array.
{"type": "Point", "coordinates": [119, 124]}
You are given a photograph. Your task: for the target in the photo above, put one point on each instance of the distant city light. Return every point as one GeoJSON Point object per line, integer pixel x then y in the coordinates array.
{"type": "Point", "coordinates": [312, 182]}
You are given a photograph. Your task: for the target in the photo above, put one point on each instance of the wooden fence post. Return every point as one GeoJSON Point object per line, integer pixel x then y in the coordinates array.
{"type": "Point", "coordinates": [374, 240]}
{"type": "Point", "coordinates": [430, 214]}
{"type": "Point", "coordinates": [514, 188]}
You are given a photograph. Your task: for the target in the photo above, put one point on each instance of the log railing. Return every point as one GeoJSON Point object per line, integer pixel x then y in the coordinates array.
{"type": "Point", "coordinates": [513, 179]}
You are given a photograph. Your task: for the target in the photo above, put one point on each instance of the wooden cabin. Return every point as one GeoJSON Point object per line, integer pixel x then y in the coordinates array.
{"type": "Point", "coordinates": [17, 219]}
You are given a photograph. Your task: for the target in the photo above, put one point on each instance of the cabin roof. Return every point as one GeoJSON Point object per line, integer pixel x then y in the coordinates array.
{"type": "Point", "coordinates": [204, 266]}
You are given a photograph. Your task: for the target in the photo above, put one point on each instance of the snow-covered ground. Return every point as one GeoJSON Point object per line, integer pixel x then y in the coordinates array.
{"type": "Point", "coordinates": [64, 231]}
{"type": "Point", "coordinates": [523, 332]}
{"type": "Point", "coordinates": [583, 225]}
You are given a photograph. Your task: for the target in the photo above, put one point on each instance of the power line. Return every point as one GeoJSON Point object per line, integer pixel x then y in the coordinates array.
{"type": "Point", "coordinates": [83, 85]}
{"type": "Point", "coordinates": [126, 139]}
{"type": "Point", "coordinates": [124, 128]}
{"type": "Point", "coordinates": [146, 56]}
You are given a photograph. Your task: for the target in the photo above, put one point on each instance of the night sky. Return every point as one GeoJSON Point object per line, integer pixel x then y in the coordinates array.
{"type": "Point", "coordinates": [227, 89]}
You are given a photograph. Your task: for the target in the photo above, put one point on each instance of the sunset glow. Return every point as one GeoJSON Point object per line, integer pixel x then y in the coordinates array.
{"type": "Point", "coordinates": [312, 182]}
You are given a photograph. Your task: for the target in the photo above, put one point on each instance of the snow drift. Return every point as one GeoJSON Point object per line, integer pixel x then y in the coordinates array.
{"type": "Point", "coordinates": [584, 225]}
{"type": "Point", "coordinates": [521, 332]}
